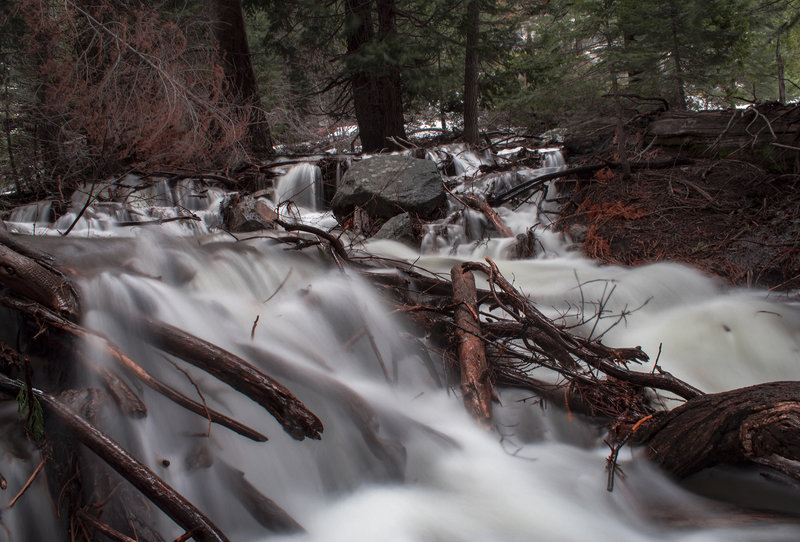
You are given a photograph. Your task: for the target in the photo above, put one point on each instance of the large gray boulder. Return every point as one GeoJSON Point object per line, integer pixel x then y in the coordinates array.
{"type": "Point", "coordinates": [388, 185]}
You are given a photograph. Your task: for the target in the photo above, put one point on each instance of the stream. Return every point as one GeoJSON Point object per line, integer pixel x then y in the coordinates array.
{"type": "Point", "coordinates": [539, 475]}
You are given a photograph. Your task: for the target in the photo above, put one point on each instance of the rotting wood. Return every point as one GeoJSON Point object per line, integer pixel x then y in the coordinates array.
{"type": "Point", "coordinates": [162, 495]}
{"type": "Point", "coordinates": [476, 378]}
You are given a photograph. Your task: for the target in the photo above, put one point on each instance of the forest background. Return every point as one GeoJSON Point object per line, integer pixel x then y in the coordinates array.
{"type": "Point", "coordinates": [100, 87]}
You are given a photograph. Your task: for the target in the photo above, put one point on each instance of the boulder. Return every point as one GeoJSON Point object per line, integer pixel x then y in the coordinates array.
{"type": "Point", "coordinates": [388, 185]}
{"type": "Point", "coordinates": [399, 228]}
{"type": "Point", "coordinates": [243, 213]}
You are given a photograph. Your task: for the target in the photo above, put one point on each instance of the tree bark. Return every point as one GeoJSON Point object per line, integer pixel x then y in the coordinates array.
{"type": "Point", "coordinates": [471, 68]}
{"type": "Point", "coordinates": [781, 77]}
{"type": "Point", "coordinates": [377, 97]}
{"type": "Point", "coordinates": [758, 424]}
{"type": "Point", "coordinates": [676, 58]}
{"type": "Point", "coordinates": [241, 85]}
{"type": "Point", "coordinates": [24, 275]}
{"type": "Point", "coordinates": [476, 379]}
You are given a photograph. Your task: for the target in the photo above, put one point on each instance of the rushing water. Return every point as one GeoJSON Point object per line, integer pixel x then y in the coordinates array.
{"type": "Point", "coordinates": [539, 475]}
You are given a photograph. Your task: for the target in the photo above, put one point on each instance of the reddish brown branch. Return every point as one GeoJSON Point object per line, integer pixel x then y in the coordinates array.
{"type": "Point", "coordinates": [162, 495]}
{"type": "Point", "coordinates": [476, 380]}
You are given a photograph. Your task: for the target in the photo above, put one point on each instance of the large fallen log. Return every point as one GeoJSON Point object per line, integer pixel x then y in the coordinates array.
{"type": "Point", "coordinates": [758, 424]}
{"type": "Point", "coordinates": [292, 414]}
{"type": "Point", "coordinates": [21, 273]}
{"type": "Point", "coordinates": [766, 135]}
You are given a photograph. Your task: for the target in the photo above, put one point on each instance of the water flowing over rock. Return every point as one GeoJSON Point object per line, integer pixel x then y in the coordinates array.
{"type": "Point", "coordinates": [388, 185]}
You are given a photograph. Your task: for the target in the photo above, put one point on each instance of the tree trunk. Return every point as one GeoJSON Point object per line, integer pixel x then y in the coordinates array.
{"type": "Point", "coordinates": [377, 96]}
{"type": "Point", "coordinates": [766, 136]}
{"type": "Point", "coordinates": [676, 57]}
{"type": "Point", "coordinates": [241, 84]}
{"type": "Point", "coordinates": [621, 136]}
{"type": "Point", "coordinates": [758, 424]}
{"type": "Point", "coordinates": [471, 67]}
{"type": "Point", "coordinates": [781, 79]}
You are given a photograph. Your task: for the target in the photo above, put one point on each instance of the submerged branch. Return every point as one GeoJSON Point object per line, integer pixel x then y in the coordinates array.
{"type": "Point", "coordinates": [162, 495]}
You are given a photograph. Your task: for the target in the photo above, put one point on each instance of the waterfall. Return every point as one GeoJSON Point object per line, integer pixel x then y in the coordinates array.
{"type": "Point", "coordinates": [421, 469]}
{"type": "Point", "coordinates": [301, 185]}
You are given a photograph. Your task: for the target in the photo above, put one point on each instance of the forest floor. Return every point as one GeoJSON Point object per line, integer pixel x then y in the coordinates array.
{"type": "Point", "coordinates": [729, 218]}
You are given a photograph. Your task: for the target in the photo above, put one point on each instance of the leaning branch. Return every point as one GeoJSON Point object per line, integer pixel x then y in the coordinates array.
{"type": "Point", "coordinates": [154, 488]}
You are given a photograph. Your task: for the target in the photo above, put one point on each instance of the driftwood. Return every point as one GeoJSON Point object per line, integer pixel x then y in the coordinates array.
{"type": "Point", "coordinates": [293, 415]}
{"type": "Point", "coordinates": [476, 380]}
{"type": "Point", "coordinates": [161, 494]}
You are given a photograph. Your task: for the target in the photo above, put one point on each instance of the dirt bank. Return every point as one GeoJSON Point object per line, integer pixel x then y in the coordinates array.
{"type": "Point", "coordinates": [729, 218]}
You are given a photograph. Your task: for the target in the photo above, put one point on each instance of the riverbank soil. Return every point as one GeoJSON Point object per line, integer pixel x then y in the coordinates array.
{"type": "Point", "coordinates": [729, 218]}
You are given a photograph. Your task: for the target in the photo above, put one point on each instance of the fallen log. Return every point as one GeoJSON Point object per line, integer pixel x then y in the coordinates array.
{"type": "Point", "coordinates": [154, 488]}
{"type": "Point", "coordinates": [579, 171]}
{"type": "Point", "coordinates": [765, 135]}
{"type": "Point", "coordinates": [476, 378]}
{"type": "Point", "coordinates": [296, 419]}
{"type": "Point", "coordinates": [22, 274]}
{"type": "Point", "coordinates": [758, 424]}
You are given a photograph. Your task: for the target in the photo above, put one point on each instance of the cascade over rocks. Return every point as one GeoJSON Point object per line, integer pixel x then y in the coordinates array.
{"type": "Point", "coordinates": [388, 185]}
